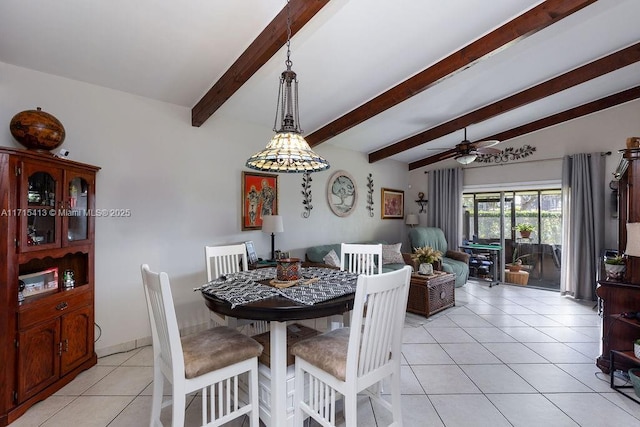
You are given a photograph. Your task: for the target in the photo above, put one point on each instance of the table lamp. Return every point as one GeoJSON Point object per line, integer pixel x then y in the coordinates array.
{"type": "Point", "coordinates": [272, 224]}
{"type": "Point", "coordinates": [412, 219]}
{"type": "Point", "coordinates": [633, 239]}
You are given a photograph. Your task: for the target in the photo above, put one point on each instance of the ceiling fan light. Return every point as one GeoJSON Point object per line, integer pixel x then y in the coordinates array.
{"type": "Point", "coordinates": [465, 159]}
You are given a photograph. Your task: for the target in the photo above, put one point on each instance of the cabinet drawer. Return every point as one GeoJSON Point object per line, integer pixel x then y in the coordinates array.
{"type": "Point", "coordinates": [52, 307]}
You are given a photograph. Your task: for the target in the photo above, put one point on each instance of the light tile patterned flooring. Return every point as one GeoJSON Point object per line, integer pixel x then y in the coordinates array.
{"type": "Point", "coordinates": [504, 356]}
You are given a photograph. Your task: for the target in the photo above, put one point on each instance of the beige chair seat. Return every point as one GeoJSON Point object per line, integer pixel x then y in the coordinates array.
{"type": "Point", "coordinates": [215, 349]}
{"type": "Point", "coordinates": [327, 351]}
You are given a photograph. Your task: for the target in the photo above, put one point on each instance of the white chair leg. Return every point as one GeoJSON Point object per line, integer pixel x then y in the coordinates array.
{"type": "Point", "coordinates": [395, 399]}
{"type": "Point", "coordinates": [254, 420]}
{"type": "Point", "coordinates": [156, 399]}
{"type": "Point", "coordinates": [298, 397]}
{"type": "Point", "coordinates": [178, 408]}
{"type": "Point", "coordinates": [351, 409]}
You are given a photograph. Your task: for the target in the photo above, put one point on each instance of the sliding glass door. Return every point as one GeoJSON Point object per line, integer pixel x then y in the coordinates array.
{"type": "Point", "coordinates": [505, 217]}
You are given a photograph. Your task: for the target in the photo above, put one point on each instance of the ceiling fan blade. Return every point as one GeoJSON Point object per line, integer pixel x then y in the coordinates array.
{"type": "Point", "coordinates": [488, 150]}
{"type": "Point", "coordinates": [486, 143]}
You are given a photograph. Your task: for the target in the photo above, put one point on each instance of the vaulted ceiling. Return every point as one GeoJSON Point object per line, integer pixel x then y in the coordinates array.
{"type": "Point", "coordinates": [395, 79]}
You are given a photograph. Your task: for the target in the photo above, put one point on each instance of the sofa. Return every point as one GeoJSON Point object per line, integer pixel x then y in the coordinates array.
{"type": "Point", "coordinates": [314, 256]}
{"type": "Point", "coordinates": [453, 261]}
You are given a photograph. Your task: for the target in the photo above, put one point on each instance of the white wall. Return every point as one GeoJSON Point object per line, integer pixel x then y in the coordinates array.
{"type": "Point", "coordinates": [599, 132]}
{"type": "Point", "coordinates": [182, 185]}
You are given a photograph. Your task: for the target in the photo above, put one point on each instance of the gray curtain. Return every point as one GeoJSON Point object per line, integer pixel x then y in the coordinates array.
{"type": "Point", "coordinates": [445, 203]}
{"type": "Point", "coordinates": [583, 208]}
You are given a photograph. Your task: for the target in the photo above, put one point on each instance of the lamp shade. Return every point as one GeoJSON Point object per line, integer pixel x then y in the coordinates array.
{"type": "Point", "coordinates": [633, 239]}
{"type": "Point", "coordinates": [412, 219]}
{"type": "Point", "coordinates": [272, 224]}
{"type": "Point", "coordinates": [287, 152]}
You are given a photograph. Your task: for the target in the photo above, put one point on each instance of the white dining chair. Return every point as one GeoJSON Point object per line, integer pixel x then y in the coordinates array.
{"type": "Point", "coordinates": [361, 258]}
{"type": "Point", "coordinates": [356, 359]}
{"type": "Point", "coordinates": [210, 361]}
{"type": "Point", "coordinates": [223, 260]}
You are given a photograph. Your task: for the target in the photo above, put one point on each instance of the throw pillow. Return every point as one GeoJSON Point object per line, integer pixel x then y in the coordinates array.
{"type": "Point", "coordinates": [391, 254]}
{"type": "Point", "coordinates": [332, 259]}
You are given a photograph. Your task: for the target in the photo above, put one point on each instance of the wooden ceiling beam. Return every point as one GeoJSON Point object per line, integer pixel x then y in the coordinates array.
{"type": "Point", "coordinates": [270, 40]}
{"type": "Point", "coordinates": [600, 67]}
{"type": "Point", "coordinates": [573, 113]}
{"type": "Point", "coordinates": [528, 23]}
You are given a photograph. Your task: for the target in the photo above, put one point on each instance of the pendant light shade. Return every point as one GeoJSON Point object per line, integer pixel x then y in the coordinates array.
{"type": "Point", "coordinates": [287, 151]}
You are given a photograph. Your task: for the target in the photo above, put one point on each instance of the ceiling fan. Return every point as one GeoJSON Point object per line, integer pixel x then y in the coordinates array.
{"type": "Point", "coordinates": [466, 151]}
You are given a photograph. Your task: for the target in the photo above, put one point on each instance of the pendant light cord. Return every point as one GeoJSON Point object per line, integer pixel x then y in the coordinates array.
{"type": "Point", "coordinates": [288, 62]}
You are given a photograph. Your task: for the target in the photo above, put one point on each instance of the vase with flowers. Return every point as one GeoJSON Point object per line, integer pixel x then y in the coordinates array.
{"type": "Point", "coordinates": [426, 256]}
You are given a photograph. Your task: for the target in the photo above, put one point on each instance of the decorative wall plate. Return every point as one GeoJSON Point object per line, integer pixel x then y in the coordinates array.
{"type": "Point", "coordinates": [342, 193]}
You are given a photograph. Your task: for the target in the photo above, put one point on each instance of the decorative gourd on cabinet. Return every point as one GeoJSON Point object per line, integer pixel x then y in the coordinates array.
{"type": "Point", "coordinates": [46, 233]}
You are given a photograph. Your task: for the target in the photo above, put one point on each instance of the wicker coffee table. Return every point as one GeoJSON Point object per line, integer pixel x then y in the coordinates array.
{"type": "Point", "coordinates": [431, 294]}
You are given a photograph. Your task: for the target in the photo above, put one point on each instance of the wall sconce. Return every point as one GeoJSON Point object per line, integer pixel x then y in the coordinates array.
{"type": "Point", "coordinates": [421, 201]}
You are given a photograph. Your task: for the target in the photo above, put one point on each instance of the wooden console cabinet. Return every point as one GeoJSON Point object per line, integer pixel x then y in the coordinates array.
{"type": "Point", "coordinates": [47, 211]}
{"type": "Point", "coordinates": [618, 333]}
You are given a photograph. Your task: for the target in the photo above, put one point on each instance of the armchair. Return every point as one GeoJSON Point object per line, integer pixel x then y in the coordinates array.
{"type": "Point", "coordinates": [453, 261]}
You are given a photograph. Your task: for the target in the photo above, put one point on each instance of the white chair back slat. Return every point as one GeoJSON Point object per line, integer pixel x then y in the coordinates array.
{"type": "Point", "coordinates": [361, 258]}
{"type": "Point", "coordinates": [378, 314]}
{"type": "Point", "coordinates": [164, 325]}
{"type": "Point", "coordinates": [226, 259]}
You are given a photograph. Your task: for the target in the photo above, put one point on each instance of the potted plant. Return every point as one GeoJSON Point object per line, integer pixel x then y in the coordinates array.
{"type": "Point", "coordinates": [426, 256]}
{"type": "Point", "coordinates": [516, 264]}
{"type": "Point", "coordinates": [525, 229]}
{"type": "Point", "coordinates": [615, 267]}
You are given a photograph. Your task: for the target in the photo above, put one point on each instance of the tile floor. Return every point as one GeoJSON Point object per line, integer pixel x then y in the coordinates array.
{"type": "Point", "coordinates": [504, 356]}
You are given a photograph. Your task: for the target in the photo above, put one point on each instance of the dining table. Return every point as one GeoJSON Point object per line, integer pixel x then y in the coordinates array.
{"type": "Point", "coordinates": [255, 295]}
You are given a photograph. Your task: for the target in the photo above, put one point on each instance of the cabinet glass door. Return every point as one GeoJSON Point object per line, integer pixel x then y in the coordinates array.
{"type": "Point", "coordinates": [39, 219]}
{"type": "Point", "coordinates": [77, 221]}
{"type": "Point", "coordinates": [77, 202]}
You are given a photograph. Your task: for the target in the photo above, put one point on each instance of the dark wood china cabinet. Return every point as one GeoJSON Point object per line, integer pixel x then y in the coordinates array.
{"type": "Point", "coordinates": [46, 276]}
{"type": "Point", "coordinates": [619, 331]}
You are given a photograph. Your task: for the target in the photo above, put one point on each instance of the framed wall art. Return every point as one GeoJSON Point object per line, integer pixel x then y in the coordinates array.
{"type": "Point", "coordinates": [392, 204]}
{"type": "Point", "coordinates": [259, 197]}
{"type": "Point", "coordinates": [342, 194]}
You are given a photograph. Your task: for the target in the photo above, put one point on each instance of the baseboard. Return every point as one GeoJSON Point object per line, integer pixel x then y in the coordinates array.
{"type": "Point", "coordinates": [144, 342]}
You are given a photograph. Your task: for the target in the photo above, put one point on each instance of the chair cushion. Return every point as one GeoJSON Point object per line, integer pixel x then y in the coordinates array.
{"type": "Point", "coordinates": [216, 348]}
{"type": "Point", "coordinates": [327, 351]}
{"type": "Point", "coordinates": [391, 254]}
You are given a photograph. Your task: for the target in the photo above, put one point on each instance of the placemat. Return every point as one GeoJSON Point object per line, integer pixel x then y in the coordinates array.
{"type": "Point", "coordinates": [331, 283]}
{"type": "Point", "coordinates": [239, 288]}
{"type": "Point", "coordinates": [244, 287]}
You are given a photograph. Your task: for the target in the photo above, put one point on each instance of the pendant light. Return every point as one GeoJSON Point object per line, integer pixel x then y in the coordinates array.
{"type": "Point", "coordinates": [287, 151]}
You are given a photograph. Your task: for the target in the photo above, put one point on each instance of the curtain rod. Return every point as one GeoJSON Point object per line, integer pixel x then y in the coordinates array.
{"type": "Point", "coordinates": [604, 153]}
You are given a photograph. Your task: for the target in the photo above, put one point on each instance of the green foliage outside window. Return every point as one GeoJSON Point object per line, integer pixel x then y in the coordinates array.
{"type": "Point", "coordinates": [550, 230]}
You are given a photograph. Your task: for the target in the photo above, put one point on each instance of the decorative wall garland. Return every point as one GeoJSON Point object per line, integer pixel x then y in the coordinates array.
{"type": "Point", "coordinates": [306, 193]}
{"type": "Point", "coordinates": [370, 194]}
{"type": "Point", "coordinates": [507, 154]}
